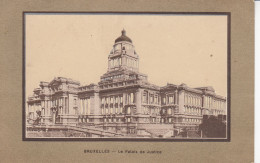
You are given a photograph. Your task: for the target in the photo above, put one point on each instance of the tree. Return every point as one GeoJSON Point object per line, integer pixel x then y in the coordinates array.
{"type": "Point", "coordinates": [213, 127]}
{"type": "Point", "coordinates": [37, 121]}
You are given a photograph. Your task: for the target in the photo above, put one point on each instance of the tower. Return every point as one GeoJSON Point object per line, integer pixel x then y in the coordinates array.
{"type": "Point", "coordinates": [123, 61]}
{"type": "Point", "coordinates": [123, 55]}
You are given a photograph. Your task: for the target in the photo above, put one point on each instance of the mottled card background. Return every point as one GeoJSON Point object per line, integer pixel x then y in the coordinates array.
{"type": "Point", "coordinates": [240, 149]}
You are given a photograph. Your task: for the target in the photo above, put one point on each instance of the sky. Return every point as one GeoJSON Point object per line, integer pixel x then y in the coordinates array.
{"type": "Point", "coordinates": [190, 49]}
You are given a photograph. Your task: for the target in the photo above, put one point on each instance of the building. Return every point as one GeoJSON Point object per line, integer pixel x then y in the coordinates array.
{"type": "Point", "coordinates": [124, 101]}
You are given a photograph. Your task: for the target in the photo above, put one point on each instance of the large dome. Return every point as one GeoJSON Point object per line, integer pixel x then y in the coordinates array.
{"type": "Point", "coordinates": [123, 37]}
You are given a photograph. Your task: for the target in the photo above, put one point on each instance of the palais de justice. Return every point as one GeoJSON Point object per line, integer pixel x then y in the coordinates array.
{"type": "Point", "coordinates": [123, 101]}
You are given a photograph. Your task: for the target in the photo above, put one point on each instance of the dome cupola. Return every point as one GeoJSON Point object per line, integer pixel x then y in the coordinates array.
{"type": "Point", "coordinates": [123, 37]}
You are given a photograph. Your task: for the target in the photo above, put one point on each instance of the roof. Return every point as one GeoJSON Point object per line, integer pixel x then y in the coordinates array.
{"type": "Point", "coordinates": [209, 88]}
{"type": "Point", "coordinates": [123, 37]}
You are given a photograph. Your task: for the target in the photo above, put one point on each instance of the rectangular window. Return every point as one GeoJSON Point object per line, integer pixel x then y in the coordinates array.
{"type": "Point", "coordinates": [121, 109]}
{"type": "Point", "coordinates": [171, 99]}
{"type": "Point", "coordinates": [156, 99]}
{"type": "Point", "coordinates": [169, 111]}
{"type": "Point", "coordinates": [121, 99]}
{"type": "Point", "coordinates": [132, 97]}
{"type": "Point", "coordinates": [128, 110]}
{"type": "Point", "coordinates": [144, 97]}
{"type": "Point", "coordinates": [151, 98]}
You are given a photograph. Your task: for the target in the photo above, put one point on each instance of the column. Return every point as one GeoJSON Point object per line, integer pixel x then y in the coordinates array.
{"type": "Point", "coordinates": [67, 105]}
{"type": "Point", "coordinates": [124, 99]}
{"type": "Point", "coordinates": [176, 97]}
{"type": "Point", "coordinates": [203, 101]}
{"type": "Point", "coordinates": [84, 107]}
{"type": "Point", "coordinates": [63, 105]}
{"type": "Point", "coordinates": [109, 64]}
{"type": "Point", "coordinates": [95, 108]}
{"type": "Point", "coordinates": [138, 98]}
{"type": "Point", "coordinates": [181, 101]}
{"type": "Point", "coordinates": [88, 103]}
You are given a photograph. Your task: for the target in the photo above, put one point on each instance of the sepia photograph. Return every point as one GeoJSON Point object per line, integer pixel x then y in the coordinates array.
{"type": "Point", "coordinates": [126, 76]}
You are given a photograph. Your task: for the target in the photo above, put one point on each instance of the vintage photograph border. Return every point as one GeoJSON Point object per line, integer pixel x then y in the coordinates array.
{"type": "Point", "coordinates": [227, 139]}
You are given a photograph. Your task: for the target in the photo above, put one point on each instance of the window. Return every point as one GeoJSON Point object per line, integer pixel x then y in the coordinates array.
{"type": "Point", "coordinates": [118, 47]}
{"type": "Point", "coordinates": [132, 97]}
{"type": "Point", "coordinates": [121, 109]}
{"type": "Point", "coordinates": [156, 99]}
{"type": "Point", "coordinates": [169, 111]}
{"type": "Point", "coordinates": [121, 99]}
{"type": "Point", "coordinates": [164, 100]}
{"type": "Point", "coordinates": [170, 99]}
{"type": "Point", "coordinates": [128, 110]}
{"type": "Point", "coordinates": [145, 97]}
{"type": "Point", "coordinates": [151, 98]}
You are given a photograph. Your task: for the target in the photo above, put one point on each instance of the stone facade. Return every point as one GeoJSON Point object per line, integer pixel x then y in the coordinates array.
{"type": "Point", "coordinates": [123, 100]}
